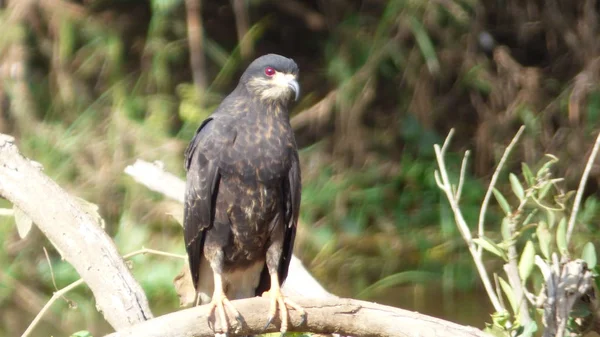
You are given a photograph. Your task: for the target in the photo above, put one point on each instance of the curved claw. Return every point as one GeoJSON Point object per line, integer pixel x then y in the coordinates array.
{"type": "Point", "coordinates": [267, 325]}
{"type": "Point", "coordinates": [303, 316]}
{"type": "Point", "coordinates": [217, 307]}
{"type": "Point", "coordinates": [279, 301]}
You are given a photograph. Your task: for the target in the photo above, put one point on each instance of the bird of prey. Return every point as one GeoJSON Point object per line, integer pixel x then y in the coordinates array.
{"type": "Point", "coordinates": [243, 192]}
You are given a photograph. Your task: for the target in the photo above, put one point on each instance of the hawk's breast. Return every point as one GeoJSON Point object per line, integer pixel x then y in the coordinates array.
{"type": "Point", "coordinates": [262, 149]}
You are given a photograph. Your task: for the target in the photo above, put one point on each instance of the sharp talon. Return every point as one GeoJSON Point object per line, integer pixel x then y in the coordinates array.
{"type": "Point", "coordinates": [268, 323]}
{"type": "Point", "coordinates": [303, 321]}
{"type": "Point", "coordinates": [239, 319]}
{"type": "Point", "coordinates": [218, 307]}
{"type": "Point", "coordinates": [279, 301]}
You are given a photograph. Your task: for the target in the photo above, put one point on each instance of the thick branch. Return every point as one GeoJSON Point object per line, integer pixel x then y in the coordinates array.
{"type": "Point", "coordinates": [333, 315]}
{"type": "Point", "coordinates": [157, 179]}
{"type": "Point", "coordinates": [81, 241]}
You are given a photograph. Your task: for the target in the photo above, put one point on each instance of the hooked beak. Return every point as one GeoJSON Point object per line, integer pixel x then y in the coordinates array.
{"type": "Point", "coordinates": [293, 84]}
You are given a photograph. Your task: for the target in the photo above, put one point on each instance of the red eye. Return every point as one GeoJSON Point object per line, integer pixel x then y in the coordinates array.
{"type": "Point", "coordinates": [269, 71]}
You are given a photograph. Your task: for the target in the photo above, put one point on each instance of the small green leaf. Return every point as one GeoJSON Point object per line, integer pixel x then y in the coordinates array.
{"type": "Point", "coordinates": [561, 237]}
{"type": "Point", "coordinates": [529, 178]}
{"type": "Point", "coordinates": [502, 201]}
{"type": "Point", "coordinates": [551, 217]}
{"type": "Point", "coordinates": [552, 160]}
{"type": "Point", "coordinates": [496, 331]}
{"type": "Point", "coordinates": [490, 246]}
{"type": "Point", "coordinates": [23, 222]}
{"type": "Point", "coordinates": [505, 229]}
{"type": "Point", "coordinates": [510, 295]}
{"type": "Point", "coordinates": [501, 318]}
{"type": "Point", "coordinates": [529, 329]}
{"type": "Point", "coordinates": [544, 190]}
{"type": "Point", "coordinates": [425, 45]}
{"type": "Point", "coordinates": [82, 333]}
{"type": "Point", "coordinates": [544, 238]}
{"type": "Point", "coordinates": [527, 261]}
{"type": "Point", "coordinates": [589, 255]}
{"type": "Point", "coordinates": [516, 186]}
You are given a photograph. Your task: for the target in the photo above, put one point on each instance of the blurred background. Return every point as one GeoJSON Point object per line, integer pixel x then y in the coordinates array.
{"type": "Point", "coordinates": [88, 86]}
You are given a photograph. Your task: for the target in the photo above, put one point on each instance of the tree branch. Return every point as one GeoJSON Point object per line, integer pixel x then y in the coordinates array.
{"type": "Point", "coordinates": [443, 181]}
{"type": "Point", "coordinates": [488, 194]}
{"type": "Point", "coordinates": [78, 236]}
{"type": "Point", "coordinates": [154, 177]}
{"type": "Point", "coordinates": [242, 26]}
{"type": "Point", "coordinates": [581, 188]}
{"type": "Point", "coordinates": [333, 315]}
{"type": "Point", "coordinates": [196, 43]}
{"type": "Point", "coordinates": [58, 294]}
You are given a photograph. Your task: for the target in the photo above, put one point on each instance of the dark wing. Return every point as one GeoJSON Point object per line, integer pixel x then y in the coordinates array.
{"type": "Point", "coordinates": [292, 188]}
{"type": "Point", "coordinates": [200, 194]}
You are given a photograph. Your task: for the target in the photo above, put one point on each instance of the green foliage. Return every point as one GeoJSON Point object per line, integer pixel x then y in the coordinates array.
{"type": "Point", "coordinates": [589, 255]}
{"type": "Point", "coordinates": [535, 224]}
{"type": "Point", "coordinates": [82, 333]}
{"type": "Point", "coordinates": [112, 84]}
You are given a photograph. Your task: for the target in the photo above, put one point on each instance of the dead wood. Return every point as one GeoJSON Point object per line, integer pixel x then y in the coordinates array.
{"type": "Point", "coordinates": [331, 315]}
{"type": "Point", "coordinates": [77, 235]}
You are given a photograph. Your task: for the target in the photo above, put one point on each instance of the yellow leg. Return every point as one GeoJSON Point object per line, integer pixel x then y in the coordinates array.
{"type": "Point", "coordinates": [219, 302]}
{"type": "Point", "coordinates": [278, 300]}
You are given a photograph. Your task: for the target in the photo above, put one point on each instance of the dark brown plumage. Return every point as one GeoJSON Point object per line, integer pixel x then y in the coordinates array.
{"type": "Point", "coordinates": [243, 190]}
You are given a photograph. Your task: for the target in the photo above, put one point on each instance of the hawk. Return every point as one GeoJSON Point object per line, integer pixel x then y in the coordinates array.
{"type": "Point", "coordinates": [243, 192]}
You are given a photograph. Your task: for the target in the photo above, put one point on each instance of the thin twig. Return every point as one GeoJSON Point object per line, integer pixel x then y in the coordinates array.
{"type": "Point", "coordinates": [51, 269]}
{"type": "Point", "coordinates": [196, 42]}
{"type": "Point", "coordinates": [6, 212]}
{"type": "Point", "coordinates": [51, 301]}
{"type": "Point", "coordinates": [447, 142]}
{"type": "Point", "coordinates": [63, 291]}
{"type": "Point", "coordinates": [154, 252]}
{"type": "Point", "coordinates": [498, 290]}
{"type": "Point", "coordinates": [579, 195]}
{"type": "Point", "coordinates": [461, 179]}
{"type": "Point", "coordinates": [242, 26]}
{"type": "Point", "coordinates": [446, 186]}
{"type": "Point", "coordinates": [488, 194]}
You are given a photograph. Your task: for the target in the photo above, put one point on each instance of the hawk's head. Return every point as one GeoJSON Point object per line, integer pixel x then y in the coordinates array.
{"type": "Point", "coordinates": [272, 77]}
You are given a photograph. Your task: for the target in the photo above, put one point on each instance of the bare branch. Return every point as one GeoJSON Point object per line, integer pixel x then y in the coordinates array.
{"type": "Point", "coordinates": [58, 294]}
{"type": "Point", "coordinates": [332, 315]}
{"type": "Point", "coordinates": [155, 178]}
{"type": "Point", "coordinates": [512, 271]}
{"type": "Point", "coordinates": [196, 43]}
{"type": "Point", "coordinates": [317, 115]}
{"type": "Point", "coordinates": [73, 285]}
{"type": "Point", "coordinates": [564, 285]}
{"type": "Point", "coordinates": [461, 179]}
{"type": "Point", "coordinates": [581, 188]}
{"type": "Point", "coordinates": [447, 141]}
{"type": "Point", "coordinates": [242, 26]}
{"type": "Point", "coordinates": [81, 240]}
{"type": "Point", "coordinates": [6, 212]}
{"type": "Point", "coordinates": [463, 228]}
{"type": "Point", "coordinates": [488, 194]}
{"type": "Point", "coordinates": [145, 250]}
